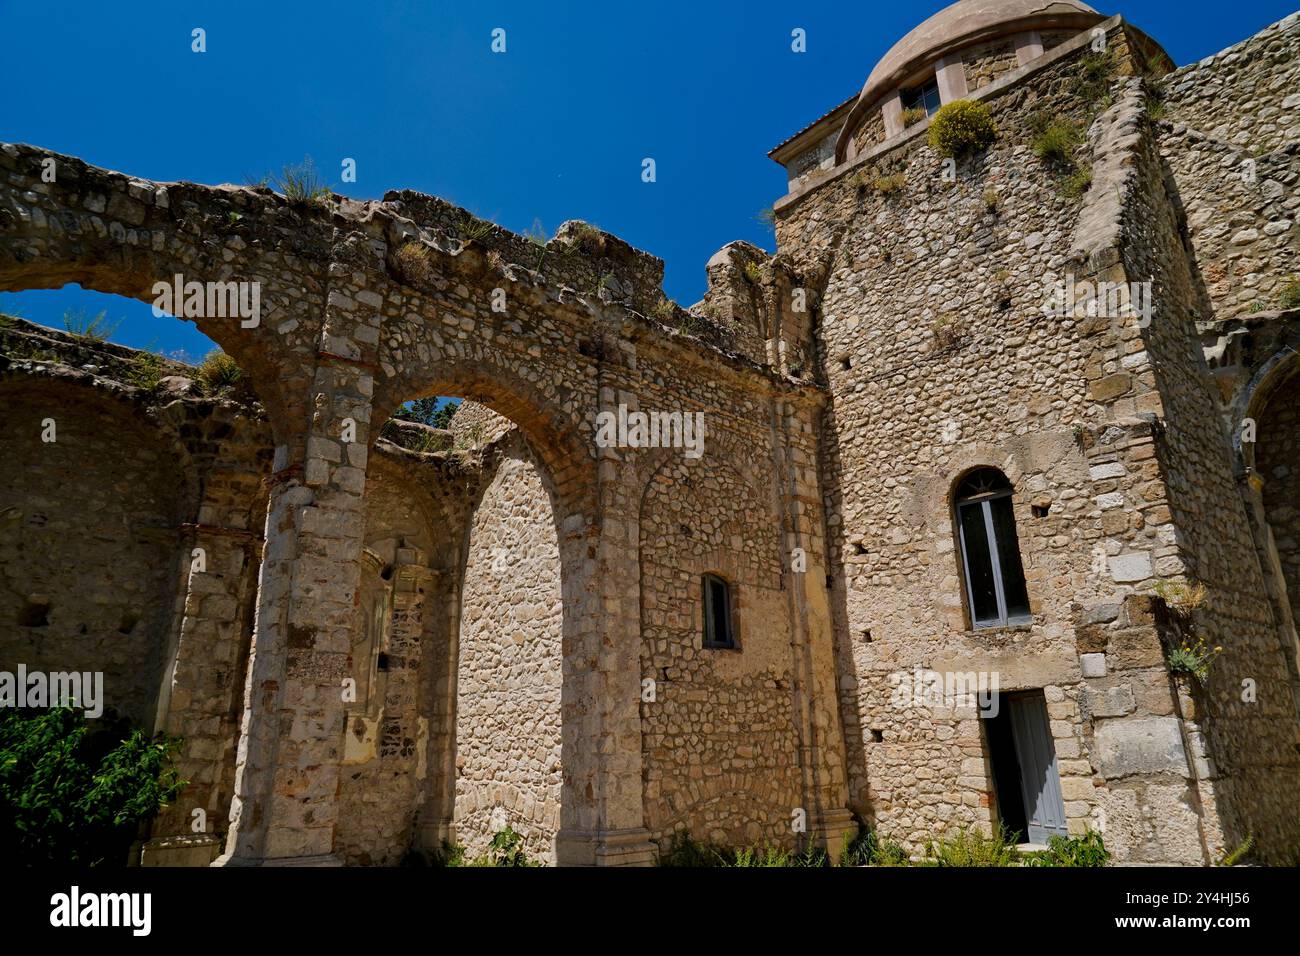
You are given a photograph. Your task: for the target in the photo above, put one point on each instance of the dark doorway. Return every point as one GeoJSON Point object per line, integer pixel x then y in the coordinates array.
{"type": "Point", "coordinates": [1025, 777]}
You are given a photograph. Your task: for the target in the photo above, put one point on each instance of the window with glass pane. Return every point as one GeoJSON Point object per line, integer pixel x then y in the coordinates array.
{"type": "Point", "coordinates": [995, 577]}
{"type": "Point", "coordinates": [718, 630]}
{"type": "Point", "coordinates": [925, 96]}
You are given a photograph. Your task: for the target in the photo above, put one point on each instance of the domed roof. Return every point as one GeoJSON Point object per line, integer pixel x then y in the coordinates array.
{"type": "Point", "coordinates": [963, 24]}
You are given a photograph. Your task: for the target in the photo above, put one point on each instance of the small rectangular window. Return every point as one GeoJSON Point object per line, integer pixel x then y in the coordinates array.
{"type": "Point", "coordinates": [925, 97]}
{"type": "Point", "coordinates": [718, 630]}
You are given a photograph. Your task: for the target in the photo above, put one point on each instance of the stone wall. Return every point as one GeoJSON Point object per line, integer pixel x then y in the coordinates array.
{"type": "Point", "coordinates": [1246, 96]}
{"type": "Point", "coordinates": [1248, 751]}
{"type": "Point", "coordinates": [1278, 462]}
{"type": "Point", "coordinates": [933, 311]}
{"type": "Point", "coordinates": [89, 559]}
{"type": "Point", "coordinates": [510, 671]}
{"type": "Point", "coordinates": [719, 734]}
{"type": "Point", "coordinates": [385, 745]}
{"type": "Point", "coordinates": [988, 62]}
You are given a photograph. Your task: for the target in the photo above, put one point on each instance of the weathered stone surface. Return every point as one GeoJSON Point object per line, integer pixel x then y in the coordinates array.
{"type": "Point", "coordinates": [1142, 745]}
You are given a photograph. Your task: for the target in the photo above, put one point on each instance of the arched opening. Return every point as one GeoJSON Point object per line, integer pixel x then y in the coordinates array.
{"type": "Point", "coordinates": [992, 572]}
{"type": "Point", "coordinates": [503, 692]}
{"type": "Point", "coordinates": [134, 510]}
{"type": "Point", "coordinates": [1276, 417]}
{"type": "Point", "coordinates": [510, 659]}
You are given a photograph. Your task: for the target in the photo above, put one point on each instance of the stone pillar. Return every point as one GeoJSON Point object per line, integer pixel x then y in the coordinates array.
{"type": "Point", "coordinates": [200, 691]}
{"type": "Point", "coordinates": [1029, 46]}
{"type": "Point", "coordinates": [603, 820]}
{"type": "Point", "coordinates": [822, 750]}
{"type": "Point", "coordinates": [950, 74]}
{"type": "Point", "coordinates": [892, 110]}
{"type": "Point", "coordinates": [436, 821]}
{"type": "Point", "coordinates": [286, 783]}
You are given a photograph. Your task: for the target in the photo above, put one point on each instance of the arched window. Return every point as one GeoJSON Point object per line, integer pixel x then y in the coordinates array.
{"type": "Point", "coordinates": [986, 525]}
{"type": "Point", "coordinates": [719, 629]}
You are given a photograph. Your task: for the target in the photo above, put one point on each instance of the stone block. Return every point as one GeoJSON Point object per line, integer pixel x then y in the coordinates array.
{"type": "Point", "coordinates": [1140, 745]}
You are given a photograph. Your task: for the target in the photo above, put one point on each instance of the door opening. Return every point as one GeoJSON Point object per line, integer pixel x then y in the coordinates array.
{"type": "Point", "coordinates": [1026, 781]}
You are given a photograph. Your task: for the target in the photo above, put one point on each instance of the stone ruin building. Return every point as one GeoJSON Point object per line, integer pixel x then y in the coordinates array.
{"type": "Point", "coordinates": [910, 467]}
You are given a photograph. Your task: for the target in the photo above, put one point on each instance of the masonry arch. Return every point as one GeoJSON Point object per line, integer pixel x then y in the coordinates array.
{"type": "Point", "coordinates": [1272, 491]}
{"type": "Point", "coordinates": [517, 750]}
{"type": "Point", "coordinates": [111, 233]}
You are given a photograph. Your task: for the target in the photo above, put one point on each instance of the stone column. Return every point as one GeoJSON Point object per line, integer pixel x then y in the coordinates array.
{"type": "Point", "coordinates": [950, 74]}
{"type": "Point", "coordinates": [201, 686]}
{"type": "Point", "coordinates": [892, 110]}
{"type": "Point", "coordinates": [286, 784]}
{"type": "Point", "coordinates": [1029, 46]}
{"type": "Point", "coordinates": [603, 821]}
{"type": "Point", "coordinates": [822, 751]}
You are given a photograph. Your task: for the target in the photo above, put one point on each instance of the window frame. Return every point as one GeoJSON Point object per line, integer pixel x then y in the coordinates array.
{"type": "Point", "coordinates": [708, 639]}
{"type": "Point", "coordinates": [918, 98]}
{"type": "Point", "coordinates": [985, 504]}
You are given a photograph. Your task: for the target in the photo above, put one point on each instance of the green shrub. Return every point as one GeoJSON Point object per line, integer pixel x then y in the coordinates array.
{"type": "Point", "coordinates": [506, 849]}
{"type": "Point", "coordinates": [685, 851]}
{"type": "Point", "coordinates": [1289, 298]}
{"type": "Point", "coordinates": [449, 854]}
{"type": "Point", "coordinates": [1056, 144]}
{"type": "Point", "coordinates": [146, 371]}
{"type": "Point", "coordinates": [913, 116]}
{"type": "Point", "coordinates": [888, 185]}
{"type": "Point", "coordinates": [474, 229]}
{"type": "Point", "coordinates": [218, 374]}
{"type": "Point", "coordinates": [1087, 850]}
{"type": "Point", "coordinates": [972, 847]}
{"type": "Point", "coordinates": [1234, 857]}
{"type": "Point", "coordinates": [866, 849]}
{"type": "Point", "coordinates": [75, 794]}
{"type": "Point", "coordinates": [1094, 76]}
{"type": "Point", "coordinates": [962, 127]}
{"type": "Point", "coordinates": [1076, 184]}
{"type": "Point", "coordinates": [301, 184]}
{"type": "Point", "coordinates": [663, 310]}
{"type": "Point", "coordinates": [95, 328]}
{"type": "Point", "coordinates": [1193, 657]}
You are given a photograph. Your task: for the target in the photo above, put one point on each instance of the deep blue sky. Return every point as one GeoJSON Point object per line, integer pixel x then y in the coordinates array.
{"type": "Point", "coordinates": [553, 129]}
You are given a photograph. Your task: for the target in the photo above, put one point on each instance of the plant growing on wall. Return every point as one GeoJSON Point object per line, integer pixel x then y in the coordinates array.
{"type": "Point", "coordinates": [947, 330]}
{"type": "Point", "coordinates": [75, 794]}
{"type": "Point", "coordinates": [1289, 298]}
{"type": "Point", "coordinates": [1191, 653]}
{"type": "Point", "coordinates": [1194, 657]}
{"type": "Point", "coordinates": [913, 115]}
{"type": "Point", "coordinates": [301, 184]}
{"type": "Point", "coordinates": [1055, 144]}
{"type": "Point", "coordinates": [218, 374]}
{"type": "Point", "coordinates": [961, 128]}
